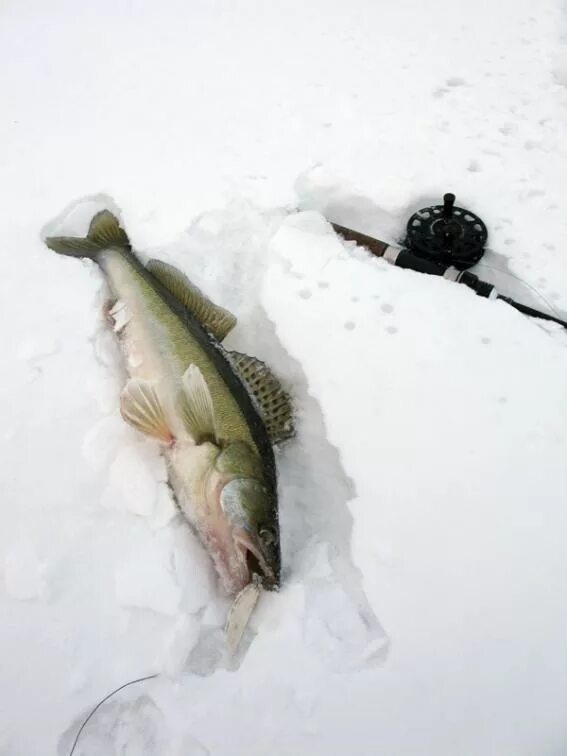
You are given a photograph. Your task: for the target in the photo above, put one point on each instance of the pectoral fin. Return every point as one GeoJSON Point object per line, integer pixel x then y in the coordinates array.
{"type": "Point", "coordinates": [218, 320]}
{"type": "Point", "coordinates": [140, 407]}
{"type": "Point", "coordinates": [196, 406]}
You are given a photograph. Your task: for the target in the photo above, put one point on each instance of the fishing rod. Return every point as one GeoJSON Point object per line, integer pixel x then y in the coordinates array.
{"type": "Point", "coordinates": [442, 240]}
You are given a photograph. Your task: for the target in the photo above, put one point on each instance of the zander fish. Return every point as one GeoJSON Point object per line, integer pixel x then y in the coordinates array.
{"type": "Point", "coordinates": [216, 413]}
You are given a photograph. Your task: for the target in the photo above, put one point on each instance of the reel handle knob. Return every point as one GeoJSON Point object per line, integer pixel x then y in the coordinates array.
{"type": "Point", "coordinates": [448, 204]}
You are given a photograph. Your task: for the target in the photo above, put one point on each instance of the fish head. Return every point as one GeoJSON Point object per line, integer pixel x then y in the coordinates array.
{"type": "Point", "coordinates": [250, 508]}
{"type": "Point", "coordinates": [224, 494]}
{"type": "Point", "coordinates": [247, 505]}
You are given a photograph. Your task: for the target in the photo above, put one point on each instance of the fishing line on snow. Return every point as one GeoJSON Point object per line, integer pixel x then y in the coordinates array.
{"type": "Point", "coordinates": [522, 281]}
{"type": "Point", "coordinates": [103, 701]}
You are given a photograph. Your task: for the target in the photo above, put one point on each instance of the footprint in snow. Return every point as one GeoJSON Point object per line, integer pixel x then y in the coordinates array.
{"type": "Point", "coordinates": [456, 81]}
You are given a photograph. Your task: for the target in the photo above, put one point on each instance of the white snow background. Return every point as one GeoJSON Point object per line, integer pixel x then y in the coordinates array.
{"type": "Point", "coordinates": [424, 500]}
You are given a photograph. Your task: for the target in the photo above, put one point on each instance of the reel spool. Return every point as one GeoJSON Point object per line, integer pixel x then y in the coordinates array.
{"type": "Point", "coordinates": [446, 234]}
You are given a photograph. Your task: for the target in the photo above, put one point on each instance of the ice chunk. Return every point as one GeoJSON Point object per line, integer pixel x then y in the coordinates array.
{"type": "Point", "coordinates": [147, 581]}
{"type": "Point", "coordinates": [103, 440]}
{"type": "Point", "coordinates": [192, 567]}
{"type": "Point", "coordinates": [165, 508]}
{"type": "Point", "coordinates": [134, 479]}
{"type": "Point", "coordinates": [179, 645]}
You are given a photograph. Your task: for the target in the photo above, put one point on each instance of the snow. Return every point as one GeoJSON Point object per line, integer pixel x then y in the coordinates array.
{"type": "Point", "coordinates": [423, 501]}
{"type": "Point", "coordinates": [22, 571]}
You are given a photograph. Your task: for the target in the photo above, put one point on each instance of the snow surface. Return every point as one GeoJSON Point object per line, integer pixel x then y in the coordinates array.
{"type": "Point", "coordinates": [424, 501]}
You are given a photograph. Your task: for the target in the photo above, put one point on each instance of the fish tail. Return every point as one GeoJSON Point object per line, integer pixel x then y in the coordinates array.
{"type": "Point", "coordinates": [104, 232]}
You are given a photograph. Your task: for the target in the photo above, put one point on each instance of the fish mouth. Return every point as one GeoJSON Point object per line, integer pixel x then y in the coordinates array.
{"type": "Point", "coordinates": [256, 563]}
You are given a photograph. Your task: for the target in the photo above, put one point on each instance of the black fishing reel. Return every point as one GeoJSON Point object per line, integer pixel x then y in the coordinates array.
{"type": "Point", "coordinates": [446, 234]}
{"type": "Point", "coordinates": [442, 240]}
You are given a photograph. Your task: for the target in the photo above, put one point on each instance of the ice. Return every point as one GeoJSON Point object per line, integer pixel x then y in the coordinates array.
{"type": "Point", "coordinates": [192, 568]}
{"type": "Point", "coordinates": [164, 508]}
{"type": "Point", "coordinates": [133, 727]}
{"type": "Point", "coordinates": [179, 645]}
{"type": "Point", "coordinates": [104, 440]}
{"type": "Point", "coordinates": [134, 479]}
{"type": "Point", "coordinates": [146, 580]}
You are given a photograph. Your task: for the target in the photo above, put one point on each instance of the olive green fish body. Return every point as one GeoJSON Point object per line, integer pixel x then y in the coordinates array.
{"type": "Point", "coordinates": [202, 403]}
{"type": "Point", "coordinates": [169, 340]}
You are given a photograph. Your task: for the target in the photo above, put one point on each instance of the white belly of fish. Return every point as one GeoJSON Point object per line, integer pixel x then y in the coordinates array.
{"type": "Point", "coordinates": [197, 486]}
{"type": "Point", "coordinates": [191, 468]}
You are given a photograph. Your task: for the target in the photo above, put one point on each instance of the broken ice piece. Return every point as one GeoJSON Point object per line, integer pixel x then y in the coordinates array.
{"type": "Point", "coordinates": [179, 644]}
{"type": "Point", "coordinates": [145, 580]}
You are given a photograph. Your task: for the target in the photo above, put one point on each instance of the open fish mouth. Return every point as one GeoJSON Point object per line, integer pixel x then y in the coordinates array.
{"type": "Point", "coordinates": [254, 558]}
{"type": "Point", "coordinates": [239, 559]}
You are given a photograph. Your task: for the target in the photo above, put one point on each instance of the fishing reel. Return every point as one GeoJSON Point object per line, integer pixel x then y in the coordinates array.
{"type": "Point", "coordinates": [442, 240]}
{"type": "Point", "coordinates": [446, 234]}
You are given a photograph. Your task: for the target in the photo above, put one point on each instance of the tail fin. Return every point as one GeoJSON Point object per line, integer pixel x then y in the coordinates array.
{"type": "Point", "coordinates": [105, 231]}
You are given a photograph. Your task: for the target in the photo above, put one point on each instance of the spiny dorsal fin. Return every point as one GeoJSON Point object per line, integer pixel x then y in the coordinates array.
{"type": "Point", "coordinates": [196, 406]}
{"type": "Point", "coordinates": [273, 402]}
{"type": "Point", "coordinates": [140, 407]}
{"type": "Point", "coordinates": [218, 320]}
{"type": "Point", "coordinates": [105, 231]}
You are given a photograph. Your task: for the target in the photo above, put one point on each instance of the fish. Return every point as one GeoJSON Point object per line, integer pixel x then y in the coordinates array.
{"type": "Point", "coordinates": [217, 414]}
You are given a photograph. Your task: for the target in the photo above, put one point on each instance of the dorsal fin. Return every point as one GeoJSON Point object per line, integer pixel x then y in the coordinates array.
{"type": "Point", "coordinates": [216, 319]}
{"type": "Point", "coordinates": [105, 231]}
{"type": "Point", "coordinates": [273, 402]}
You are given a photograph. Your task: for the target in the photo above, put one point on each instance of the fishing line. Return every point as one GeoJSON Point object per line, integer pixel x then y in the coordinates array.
{"type": "Point", "coordinates": [103, 701]}
{"type": "Point", "coordinates": [522, 281]}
